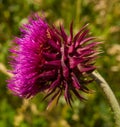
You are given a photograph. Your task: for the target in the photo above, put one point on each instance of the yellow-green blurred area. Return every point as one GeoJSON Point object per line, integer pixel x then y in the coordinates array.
{"type": "Point", "coordinates": [103, 17]}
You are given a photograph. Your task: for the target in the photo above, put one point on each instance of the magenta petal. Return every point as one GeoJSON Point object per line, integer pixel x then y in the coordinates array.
{"type": "Point", "coordinates": [53, 45]}
{"type": "Point", "coordinates": [47, 75]}
{"type": "Point", "coordinates": [67, 94]}
{"type": "Point", "coordinates": [74, 61]}
{"type": "Point", "coordinates": [52, 64]}
{"type": "Point", "coordinates": [86, 40]}
{"type": "Point", "coordinates": [78, 34]}
{"type": "Point", "coordinates": [55, 83]}
{"type": "Point", "coordinates": [91, 45]}
{"type": "Point", "coordinates": [82, 36]}
{"type": "Point", "coordinates": [65, 72]}
{"type": "Point", "coordinates": [71, 31]}
{"type": "Point", "coordinates": [64, 36]}
{"type": "Point", "coordinates": [76, 83]}
{"type": "Point", "coordinates": [71, 49]}
{"type": "Point", "coordinates": [87, 53]}
{"type": "Point", "coordinates": [56, 30]}
{"type": "Point", "coordinates": [65, 69]}
{"type": "Point", "coordinates": [86, 69]}
{"type": "Point", "coordinates": [49, 56]}
{"type": "Point", "coordinates": [54, 35]}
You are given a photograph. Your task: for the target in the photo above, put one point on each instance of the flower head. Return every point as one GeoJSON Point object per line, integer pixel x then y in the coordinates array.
{"type": "Point", "coordinates": [47, 59]}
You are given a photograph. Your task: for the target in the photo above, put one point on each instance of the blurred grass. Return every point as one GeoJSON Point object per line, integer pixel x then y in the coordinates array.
{"type": "Point", "coordinates": [104, 20]}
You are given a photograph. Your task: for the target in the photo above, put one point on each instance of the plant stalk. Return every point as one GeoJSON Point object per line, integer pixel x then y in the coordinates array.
{"type": "Point", "coordinates": [109, 95]}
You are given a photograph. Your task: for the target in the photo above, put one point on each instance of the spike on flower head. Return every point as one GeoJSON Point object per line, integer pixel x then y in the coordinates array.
{"type": "Point", "coordinates": [47, 59]}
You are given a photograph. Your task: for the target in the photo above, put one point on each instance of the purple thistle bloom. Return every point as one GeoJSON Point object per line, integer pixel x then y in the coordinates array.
{"type": "Point", "coordinates": [47, 59]}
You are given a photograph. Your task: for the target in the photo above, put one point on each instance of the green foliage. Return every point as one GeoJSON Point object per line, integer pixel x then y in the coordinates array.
{"type": "Point", "coordinates": [103, 17]}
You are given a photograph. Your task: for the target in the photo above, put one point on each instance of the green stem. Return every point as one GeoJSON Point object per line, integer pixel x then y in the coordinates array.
{"type": "Point", "coordinates": [109, 95]}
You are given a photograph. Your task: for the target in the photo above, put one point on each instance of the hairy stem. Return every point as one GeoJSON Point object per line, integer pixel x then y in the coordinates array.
{"type": "Point", "coordinates": [109, 95]}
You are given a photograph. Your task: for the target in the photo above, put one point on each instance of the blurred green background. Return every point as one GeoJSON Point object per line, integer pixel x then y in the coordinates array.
{"type": "Point", "coordinates": [104, 19]}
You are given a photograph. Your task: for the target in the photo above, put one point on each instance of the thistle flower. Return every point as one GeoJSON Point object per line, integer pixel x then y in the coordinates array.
{"type": "Point", "coordinates": [47, 59]}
